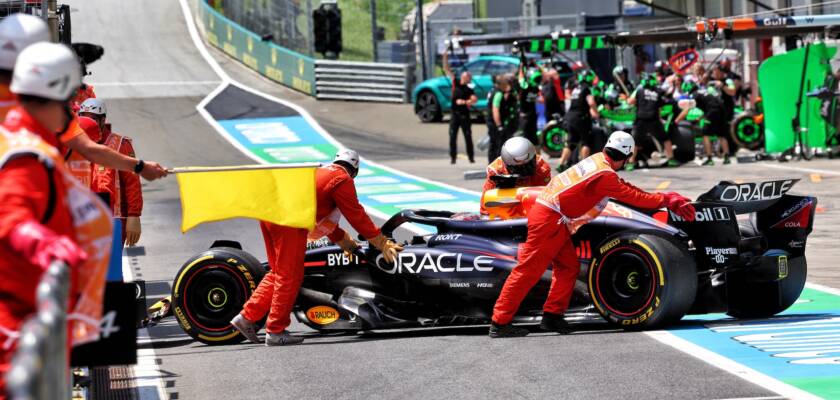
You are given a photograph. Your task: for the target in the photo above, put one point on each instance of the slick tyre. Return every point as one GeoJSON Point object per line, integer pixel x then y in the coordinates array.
{"type": "Point", "coordinates": [642, 281]}
{"type": "Point", "coordinates": [210, 289]}
{"type": "Point", "coordinates": [764, 299]}
{"type": "Point", "coordinates": [553, 139]}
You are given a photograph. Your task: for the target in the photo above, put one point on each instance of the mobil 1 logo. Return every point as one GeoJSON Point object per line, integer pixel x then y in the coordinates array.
{"type": "Point", "coordinates": [706, 214]}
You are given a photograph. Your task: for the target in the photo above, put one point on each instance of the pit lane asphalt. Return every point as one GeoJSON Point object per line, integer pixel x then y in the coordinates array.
{"type": "Point", "coordinates": [147, 43]}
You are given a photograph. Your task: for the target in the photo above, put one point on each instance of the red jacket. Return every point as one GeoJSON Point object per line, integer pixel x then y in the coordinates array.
{"type": "Point", "coordinates": [334, 188]}
{"type": "Point", "coordinates": [541, 176]}
{"type": "Point", "coordinates": [123, 187]}
{"type": "Point", "coordinates": [85, 92]}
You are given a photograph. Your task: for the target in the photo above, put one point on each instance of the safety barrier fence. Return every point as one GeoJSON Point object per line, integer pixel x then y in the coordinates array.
{"type": "Point", "coordinates": [361, 81]}
{"type": "Point", "coordinates": [40, 369]}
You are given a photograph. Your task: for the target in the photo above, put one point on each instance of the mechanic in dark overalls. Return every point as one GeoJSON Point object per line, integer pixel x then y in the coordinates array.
{"type": "Point", "coordinates": [578, 121]}
{"type": "Point", "coordinates": [463, 98]}
{"type": "Point", "coordinates": [648, 101]}
{"type": "Point", "coordinates": [553, 95]}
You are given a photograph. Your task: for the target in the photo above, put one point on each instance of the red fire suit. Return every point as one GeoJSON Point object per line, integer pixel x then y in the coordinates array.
{"type": "Point", "coordinates": [572, 198]}
{"type": "Point", "coordinates": [37, 189]}
{"type": "Point", "coordinates": [123, 187]}
{"type": "Point", "coordinates": [541, 176]}
{"type": "Point", "coordinates": [335, 195]}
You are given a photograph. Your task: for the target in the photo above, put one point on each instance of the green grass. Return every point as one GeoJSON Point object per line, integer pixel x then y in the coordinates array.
{"type": "Point", "coordinates": [357, 39]}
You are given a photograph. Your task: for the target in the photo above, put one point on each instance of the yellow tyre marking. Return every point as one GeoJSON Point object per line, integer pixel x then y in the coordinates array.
{"type": "Point", "coordinates": [218, 339]}
{"type": "Point", "coordinates": [192, 264]}
{"type": "Point", "coordinates": [591, 294]}
{"type": "Point", "coordinates": [655, 259]}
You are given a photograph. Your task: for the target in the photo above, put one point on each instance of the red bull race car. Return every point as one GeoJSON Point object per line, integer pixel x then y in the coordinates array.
{"type": "Point", "coordinates": [743, 255]}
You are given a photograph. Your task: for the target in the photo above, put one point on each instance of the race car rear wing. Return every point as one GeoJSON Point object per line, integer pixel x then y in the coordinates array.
{"type": "Point", "coordinates": [748, 197]}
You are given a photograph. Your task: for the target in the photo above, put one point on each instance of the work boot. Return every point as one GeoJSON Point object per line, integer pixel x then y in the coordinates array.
{"type": "Point", "coordinates": [672, 163]}
{"type": "Point", "coordinates": [555, 323]}
{"type": "Point", "coordinates": [506, 331]}
{"type": "Point", "coordinates": [630, 166]}
{"type": "Point", "coordinates": [452, 160]}
{"type": "Point", "coordinates": [281, 339]}
{"type": "Point", "coordinates": [726, 160]}
{"type": "Point", "coordinates": [246, 328]}
{"type": "Point", "coordinates": [709, 161]}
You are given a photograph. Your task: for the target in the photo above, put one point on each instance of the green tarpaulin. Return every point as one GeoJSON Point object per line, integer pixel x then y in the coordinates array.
{"type": "Point", "coordinates": [779, 78]}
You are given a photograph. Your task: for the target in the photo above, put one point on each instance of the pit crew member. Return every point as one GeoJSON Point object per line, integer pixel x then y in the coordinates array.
{"type": "Point", "coordinates": [649, 101]}
{"type": "Point", "coordinates": [335, 194]}
{"type": "Point", "coordinates": [578, 121]}
{"type": "Point", "coordinates": [124, 193]}
{"type": "Point", "coordinates": [714, 114]}
{"type": "Point", "coordinates": [505, 106]}
{"type": "Point", "coordinates": [571, 199]}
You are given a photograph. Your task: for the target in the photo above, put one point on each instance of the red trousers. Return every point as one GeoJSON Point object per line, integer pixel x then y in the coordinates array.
{"type": "Point", "coordinates": [276, 293]}
{"type": "Point", "coordinates": [548, 242]}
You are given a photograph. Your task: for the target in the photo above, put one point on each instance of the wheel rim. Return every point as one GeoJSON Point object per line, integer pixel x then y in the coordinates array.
{"type": "Point", "coordinates": [626, 283]}
{"type": "Point", "coordinates": [213, 296]}
{"type": "Point", "coordinates": [748, 131]}
{"type": "Point", "coordinates": [427, 106]}
{"type": "Point", "coordinates": [555, 139]}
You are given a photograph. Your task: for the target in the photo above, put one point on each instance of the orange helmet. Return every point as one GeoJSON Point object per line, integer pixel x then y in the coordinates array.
{"type": "Point", "coordinates": [91, 128]}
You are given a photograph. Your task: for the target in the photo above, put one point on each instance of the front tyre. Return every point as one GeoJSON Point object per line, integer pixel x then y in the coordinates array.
{"type": "Point", "coordinates": [210, 289]}
{"type": "Point", "coordinates": [642, 281]}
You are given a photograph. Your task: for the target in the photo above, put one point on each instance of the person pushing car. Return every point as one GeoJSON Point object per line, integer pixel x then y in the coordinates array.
{"type": "Point", "coordinates": [285, 247]}
{"type": "Point", "coordinates": [570, 200]}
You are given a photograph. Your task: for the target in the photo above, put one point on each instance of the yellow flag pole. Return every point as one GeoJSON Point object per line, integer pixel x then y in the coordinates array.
{"type": "Point", "coordinates": [183, 170]}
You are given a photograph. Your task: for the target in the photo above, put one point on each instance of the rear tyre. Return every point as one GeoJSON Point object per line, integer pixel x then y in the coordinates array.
{"type": "Point", "coordinates": [210, 289]}
{"type": "Point", "coordinates": [747, 133]}
{"type": "Point", "coordinates": [553, 139]}
{"type": "Point", "coordinates": [427, 107]}
{"type": "Point", "coordinates": [764, 299]}
{"type": "Point", "coordinates": [642, 281]}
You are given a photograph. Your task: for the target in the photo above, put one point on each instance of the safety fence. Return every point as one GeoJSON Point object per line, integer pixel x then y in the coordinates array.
{"type": "Point", "coordinates": [40, 366]}
{"type": "Point", "coordinates": [360, 81]}
{"type": "Point", "coordinates": [279, 64]}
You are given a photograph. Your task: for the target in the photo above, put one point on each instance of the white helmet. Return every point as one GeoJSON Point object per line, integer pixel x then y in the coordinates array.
{"type": "Point", "coordinates": [93, 106]}
{"type": "Point", "coordinates": [519, 156]}
{"type": "Point", "coordinates": [622, 142]}
{"type": "Point", "coordinates": [48, 70]}
{"type": "Point", "coordinates": [349, 157]}
{"type": "Point", "coordinates": [17, 31]}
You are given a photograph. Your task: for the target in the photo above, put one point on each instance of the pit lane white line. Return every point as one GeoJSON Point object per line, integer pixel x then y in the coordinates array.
{"type": "Point", "coordinates": [147, 377]}
{"type": "Point", "coordinates": [731, 366]}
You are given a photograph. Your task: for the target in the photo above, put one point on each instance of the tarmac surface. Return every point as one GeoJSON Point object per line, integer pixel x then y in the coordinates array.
{"type": "Point", "coordinates": [148, 46]}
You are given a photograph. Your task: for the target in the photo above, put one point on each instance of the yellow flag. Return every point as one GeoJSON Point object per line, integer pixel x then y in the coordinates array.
{"type": "Point", "coordinates": [284, 196]}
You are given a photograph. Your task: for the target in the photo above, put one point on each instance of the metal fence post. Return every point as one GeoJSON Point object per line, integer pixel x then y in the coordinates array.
{"type": "Point", "coordinates": [422, 27]}
{"type": "Point", "coordinates": [373, 28]}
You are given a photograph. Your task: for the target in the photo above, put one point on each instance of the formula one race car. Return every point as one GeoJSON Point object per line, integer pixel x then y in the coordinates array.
{"type": "Point", "coordinates": [744, 255]}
